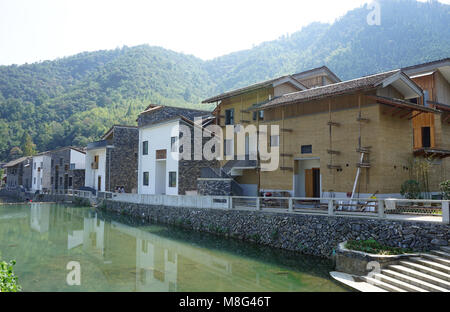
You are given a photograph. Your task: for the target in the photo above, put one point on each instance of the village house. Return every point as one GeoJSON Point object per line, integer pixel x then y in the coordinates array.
{"type": "Point", "coordinates": [67, 168]}
{"type": "Point", "coordinates": [111, 163]}
{"type": "Point", "coordinates": [161, 171]}
{"type": "Point", "coordinates": [18, 173]}
{"type": "Point", "coordinates": [335, 138]}
{"type": "Point", "coordinates": [41, 172]}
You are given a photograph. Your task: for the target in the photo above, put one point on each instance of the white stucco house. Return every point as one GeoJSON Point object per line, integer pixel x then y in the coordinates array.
{"type": "Point", "coordinates": [160, 171]}
{"type": "Point", "coordinates": [41, 172]}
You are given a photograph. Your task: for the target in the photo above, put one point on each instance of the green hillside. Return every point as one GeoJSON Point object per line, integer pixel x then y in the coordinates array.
{"type": "Point", "coordinates": [73, 100]}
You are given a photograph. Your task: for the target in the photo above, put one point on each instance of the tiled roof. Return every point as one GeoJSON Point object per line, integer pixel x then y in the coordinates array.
{"type": "Point", "coordinates": [367, 82]}
{"type": "Point", "coordinates": [15, 162]}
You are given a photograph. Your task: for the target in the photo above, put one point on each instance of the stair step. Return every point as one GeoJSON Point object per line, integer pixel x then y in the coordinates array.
{"type": "Point", "coordinates": [431, 264]}
{"type": "Point", "coordinates": [441, 254]}
{"type": "Point", "coordinates": [398, 283]}
{"type": "Point", "coordinates": [446, 249]}
{"type": "Point", "coordinates": [436, 259]}
{"type": "Point", "coordinates": [416, 281]}
{"type": "Point", "coordinates": [427, 270]}
{"type": "Point", "coordinates": [382, 285]}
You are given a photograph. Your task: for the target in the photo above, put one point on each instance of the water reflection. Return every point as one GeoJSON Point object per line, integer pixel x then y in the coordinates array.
{"type": "Point", "coordinates": [117, 255]}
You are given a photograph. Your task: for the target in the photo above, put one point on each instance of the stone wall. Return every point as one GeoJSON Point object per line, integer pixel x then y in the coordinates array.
{"type": "Point", "coordinates": [211, 187]}
{"type": "Point", "coordinates": [310, 234]}
{"type": "Point", "coordinates": [121, 161]}
{"type": "Point", "coordinates": [188, 173]}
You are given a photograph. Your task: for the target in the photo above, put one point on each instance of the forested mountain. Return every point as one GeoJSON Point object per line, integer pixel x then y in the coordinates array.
{"type": "Point", "coordinates": [73, 100]}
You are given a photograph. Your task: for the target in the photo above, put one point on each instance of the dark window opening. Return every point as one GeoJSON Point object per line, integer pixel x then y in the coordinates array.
{"type": "Point", "coordinates": [306, 149]}
{"type": "Point", "coordinates": [145, 148]}
{"type": "Point", "coordinates": [146, 178]}
{"type": "Point", "coordinates": [229, 117]}
{"type": "Point", "coordinates": [426, 137]}
{"type": "Point", "coordinates": [172, 179]}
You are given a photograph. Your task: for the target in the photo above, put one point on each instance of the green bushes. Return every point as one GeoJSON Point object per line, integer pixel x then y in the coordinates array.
{"type": "Point", "coordinates": [373, 247]}
{"type": "Point", "coordinates": [8, 280]}
{"type": "Point", "coordinates": [410, 189]}
{"type": "Point", "coordinates": [445, 189]}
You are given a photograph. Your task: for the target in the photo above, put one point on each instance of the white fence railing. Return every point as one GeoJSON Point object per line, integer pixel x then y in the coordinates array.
{"type": "Point", "coordinates": [373, 208]}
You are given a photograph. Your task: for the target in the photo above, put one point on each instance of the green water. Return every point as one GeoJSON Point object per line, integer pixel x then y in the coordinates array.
{"type": "Point", "coordinates": [116, 254]}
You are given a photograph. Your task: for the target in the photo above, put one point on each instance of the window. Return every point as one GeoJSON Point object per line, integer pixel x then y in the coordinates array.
{"type": "Point", "coordinates": [306, 149]}
{"type": "Point", "coordinates": [426, 137]}
{"type": "Point", "coordinates": [72, 166]}
{"type": "Point", "coordinates": [173, 144]}
{"type": "Point", "coordinates": [53, 162]}
{"type": "Point", "coordinates": [425, 98]}
{"type": "Point", "coordinates": [34, 181]}
{"type": "Point", "coordinates": [145, 178]}
{"type": "Point", "coordinates": [60, 180]}
{"type": "Point", "coordinates": [61, 161]}
{"type": "Point", "coordinates": [274, 140]}
{"type": "Point", "coordinates": [172, 179]}
{"type": "Point", "coordinates": [229, 116]}
{"type": "Point", "coordinates": [66, 167]}
{"type": "Point", "coordinates": [42, 164]}
{"type": "Point", "coordinates": [145, 148]}
{"type": "Point", "coordinates": [70, 181]}
{"type": "Point", "coordinates": [34, 165]}
{"type": "Point", "coordinates": [261, 115]}
{"type": "Point", "coordinates": [255, 115]}
{"type": "Point", "coordinates": [52, 180]}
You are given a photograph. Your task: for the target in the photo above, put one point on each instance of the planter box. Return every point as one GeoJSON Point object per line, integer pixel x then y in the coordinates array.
{"type": "Point", "coordinates": [355, 262]}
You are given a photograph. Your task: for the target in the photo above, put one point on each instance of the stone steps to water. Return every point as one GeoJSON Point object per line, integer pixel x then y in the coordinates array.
{"type": "Point", "coordinates": [437, 259]}
{"type": "Point", "coordinates": [431, 264]}
{"type": "Point", "coordinates": [424, 269]}
{"type": "Point", "coordinates": [441, 254]}
{"type": "Point", "coordinates": [382, 285]}
{"type": "Point", "coordinates": [420, 276]}
{"type": "Point", "coordinates": [446, 249]}
{"type": "Point", "coordinates": [398, 283]}
{"type": "Point", "coordinates": [421, 283]}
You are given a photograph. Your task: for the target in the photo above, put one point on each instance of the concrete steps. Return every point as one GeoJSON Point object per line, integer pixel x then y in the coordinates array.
{"type": "Point", "coordinates": [398, 283]}
{"type": "Point", "coordinates": [431, 264]}
{"type": "Point", "coordinates": [380, 284]}
{"type": "Point", "coordinates": [441, 254]}
{"type": "Point", "coordinates": [424, 269]}
{"type": "Point", "coordinates": [428, 272]}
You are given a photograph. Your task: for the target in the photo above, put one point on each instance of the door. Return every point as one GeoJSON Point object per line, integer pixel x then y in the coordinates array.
{"type": "Point", "coordinates": [312, 182]}
{"type": "Point", "coordinates": [99, 184]}
{"type": "Point", "coordinates": [309, 183]}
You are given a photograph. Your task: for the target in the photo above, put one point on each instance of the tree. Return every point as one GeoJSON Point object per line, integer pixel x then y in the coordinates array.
{"type": "Point", "coordinates": [15, 152]}
{"type": "Point", "coordinates": [28, 147]}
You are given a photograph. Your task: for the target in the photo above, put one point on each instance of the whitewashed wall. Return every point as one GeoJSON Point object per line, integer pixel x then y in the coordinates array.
{"type": "Point", "coordinates": [91, 175]}
{"type": "Point", "coordinates": [78, 158]}
{"type": "Point", "coordinates": [158, 137]}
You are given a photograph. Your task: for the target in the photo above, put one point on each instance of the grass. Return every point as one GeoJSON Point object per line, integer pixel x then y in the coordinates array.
{"type": "Point", "coordinates": [373, 247]}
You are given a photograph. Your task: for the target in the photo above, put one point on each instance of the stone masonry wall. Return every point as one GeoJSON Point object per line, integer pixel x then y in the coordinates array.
{"type": "Point", "coordinates": [123, 163]}
{"type": "Point", "coordinates": [210, 187]}
{"type": "Point", "coordinates": [310, 234]}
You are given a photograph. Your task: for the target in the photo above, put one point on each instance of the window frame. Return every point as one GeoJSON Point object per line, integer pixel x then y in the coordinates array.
{"type": "Point", "coordinates": [144, 148]}
{"type": "Point", "coordinates": [172, 179]}
{"type": "Point", "coordinates": [146, 174]}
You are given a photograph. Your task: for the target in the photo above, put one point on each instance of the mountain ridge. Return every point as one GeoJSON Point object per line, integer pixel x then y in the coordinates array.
{"type": "Point", "coordinates": [73, 100]}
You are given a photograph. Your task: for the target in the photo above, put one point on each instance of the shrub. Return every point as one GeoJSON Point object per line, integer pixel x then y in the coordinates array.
{"type": "Point", "coordinates": [445, 189]}
{"type": "Point", "coordinates": [373, 247]}
{"type": "Point", "coordinates": [410, 189]}
{"type": "Point", "coordinates": [8, 280]}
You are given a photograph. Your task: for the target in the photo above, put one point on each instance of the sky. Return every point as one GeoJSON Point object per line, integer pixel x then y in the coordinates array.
{"type": "Point", "coordinates": [37, 30]}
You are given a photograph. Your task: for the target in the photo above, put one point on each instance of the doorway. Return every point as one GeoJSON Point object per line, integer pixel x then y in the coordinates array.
{"type": "Point", "coordinates": [160, 177]}
{"type": "Point", "coordinates": [307, 178]}
{"type": "Point", "coordinates": [99, 183]}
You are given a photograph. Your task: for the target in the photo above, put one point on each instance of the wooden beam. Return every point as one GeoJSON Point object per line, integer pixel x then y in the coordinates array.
{"type": "Point", "coordinates": [331, 123]}
{"type": "Point", "coordinates": [286, 130]}
{"type": "Point", "coordinates": [414, 116]}
{"type": "Point", "coordinates": [406, 115]}
{"type": "Point", "coordinates": [286, 155]}
{"type": "Point", "coordinates": [334, 167]}
{"type": "Point", "coordinates": [401, 110]}
{"type": "Point", "coordinates": [362, 119]}
{"type": "Point", "coordinates": [387, 112]}
{"type": "Point", "coordinates": [287, 168]}
{"type": "Point", "coordinates": [333, 152]}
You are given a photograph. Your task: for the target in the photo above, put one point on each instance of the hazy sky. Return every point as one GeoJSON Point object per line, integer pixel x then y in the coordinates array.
{"type": "Point", "coordinates": [35, 30]}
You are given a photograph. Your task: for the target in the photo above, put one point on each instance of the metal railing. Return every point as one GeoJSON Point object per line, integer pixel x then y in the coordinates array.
{"type": "Point", "coordinates": [370, 208]}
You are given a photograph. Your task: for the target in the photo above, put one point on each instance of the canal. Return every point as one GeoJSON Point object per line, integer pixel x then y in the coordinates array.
{"type": "Point", "coordinates": [116, 253]}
